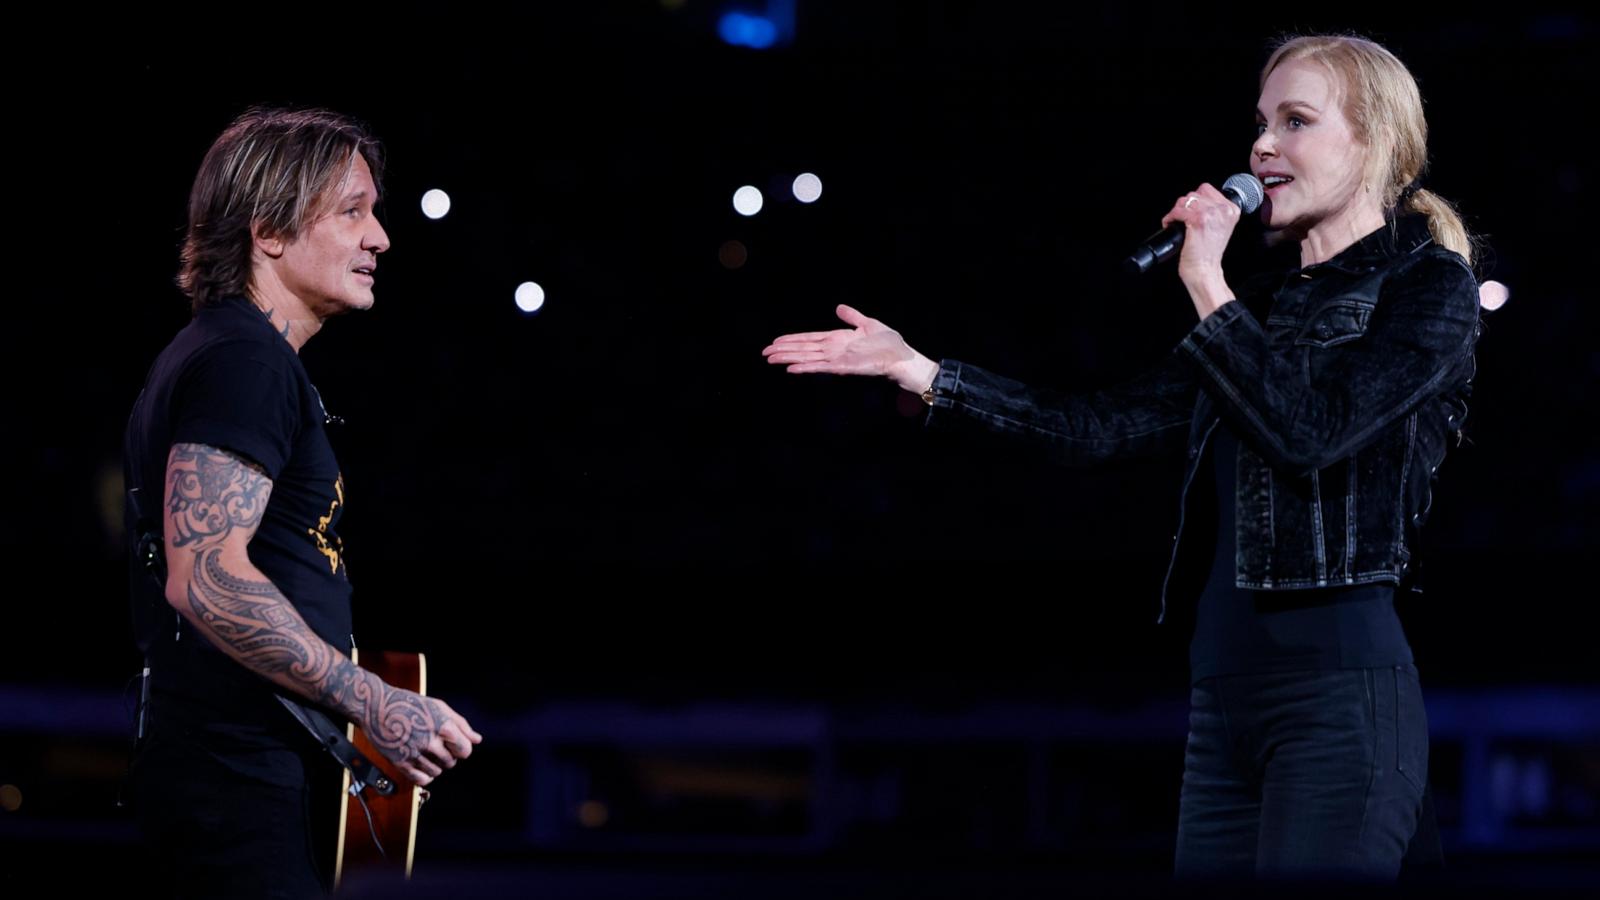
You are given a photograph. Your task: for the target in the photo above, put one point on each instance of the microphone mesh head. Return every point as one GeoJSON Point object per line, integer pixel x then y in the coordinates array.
{"type": "Point", "coordinates": [1248, 189]}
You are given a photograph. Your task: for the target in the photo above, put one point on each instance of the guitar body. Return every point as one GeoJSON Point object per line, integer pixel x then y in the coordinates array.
{"type": "Point", "coordinates": [394, 818]}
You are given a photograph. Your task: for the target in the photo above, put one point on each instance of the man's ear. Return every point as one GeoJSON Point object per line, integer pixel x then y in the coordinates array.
{"type": "Point", "coordinates": [271, 246]}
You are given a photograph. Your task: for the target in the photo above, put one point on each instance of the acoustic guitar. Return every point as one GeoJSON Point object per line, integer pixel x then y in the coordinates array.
{"type": "Point", "coordinates": [389, 840]}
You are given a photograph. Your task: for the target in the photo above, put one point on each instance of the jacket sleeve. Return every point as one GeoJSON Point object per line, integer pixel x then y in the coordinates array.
{"type": "Point", "coordinates": [1305, 413]}
{"type": "Point", "coordinates": [1147, 416]}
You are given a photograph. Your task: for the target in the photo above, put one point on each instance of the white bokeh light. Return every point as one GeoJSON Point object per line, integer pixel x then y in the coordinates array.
{"type": "Point", "coordinates": [530, 297]}
{"type": "Point", "coordinates": [435, 204]}
{"type": "Point", "coordinates": [747, 200]}
{"type": "Point", "coordinates": [807, 188]}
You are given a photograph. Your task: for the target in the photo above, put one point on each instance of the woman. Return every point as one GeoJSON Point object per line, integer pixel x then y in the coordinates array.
{"type": "Point", "coordinates": [1321, 400]}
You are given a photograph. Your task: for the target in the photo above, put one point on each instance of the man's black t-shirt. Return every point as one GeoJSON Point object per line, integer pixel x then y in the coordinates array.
{"type": "Point", "coordinates": [231, 381]}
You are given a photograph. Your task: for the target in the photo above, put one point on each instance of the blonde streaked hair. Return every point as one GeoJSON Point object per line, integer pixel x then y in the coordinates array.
{"type": "Point", "coordinates": [272, 169]}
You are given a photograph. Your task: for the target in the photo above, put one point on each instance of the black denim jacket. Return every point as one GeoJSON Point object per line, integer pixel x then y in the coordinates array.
{"type": "Point", "coordinates": [1343, 399]}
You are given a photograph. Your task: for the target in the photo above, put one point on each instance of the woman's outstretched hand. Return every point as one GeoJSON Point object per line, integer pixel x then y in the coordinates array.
{"type": "Point", "coordinates": [868, 348]}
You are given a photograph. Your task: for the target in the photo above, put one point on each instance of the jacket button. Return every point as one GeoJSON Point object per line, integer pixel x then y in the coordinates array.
{"type": "Point", "coordinates": [1416, 519]}
{"type": "Point", "coordinates": [1325, 331]}
{"type": "Point", "coordinates": [1193, 452]}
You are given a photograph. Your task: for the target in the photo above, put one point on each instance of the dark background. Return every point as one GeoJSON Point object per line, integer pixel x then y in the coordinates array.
{"type": "Point", "coordinates": [616, 505]}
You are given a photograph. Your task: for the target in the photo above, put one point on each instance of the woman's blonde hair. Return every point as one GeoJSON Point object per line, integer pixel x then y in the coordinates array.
{"type": "Point", "coordinates": [1384, 108]}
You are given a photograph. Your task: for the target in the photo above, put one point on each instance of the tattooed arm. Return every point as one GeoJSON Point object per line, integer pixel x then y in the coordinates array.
{"type": "Point", "coordinates": [215, 501]}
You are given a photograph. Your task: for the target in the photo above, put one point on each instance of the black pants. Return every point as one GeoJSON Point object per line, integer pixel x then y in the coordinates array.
{"type": "Point", "coordinates": [1303, 774]}
{"type": "Point", "coordinates": [211, 831]}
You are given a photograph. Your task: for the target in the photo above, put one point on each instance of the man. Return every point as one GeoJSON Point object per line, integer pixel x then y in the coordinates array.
{"type": "Point", "coordinates": [230, 466]}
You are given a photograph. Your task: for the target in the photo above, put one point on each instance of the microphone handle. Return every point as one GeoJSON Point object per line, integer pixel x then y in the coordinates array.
{"type": "Point", "coordinates": [1156, 249]}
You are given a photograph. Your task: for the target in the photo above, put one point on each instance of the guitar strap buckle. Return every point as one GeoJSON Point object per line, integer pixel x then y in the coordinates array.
{"type": "Point", "coordinates": [363, 774]}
